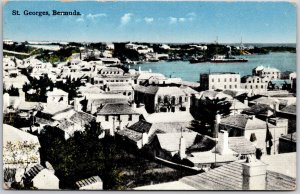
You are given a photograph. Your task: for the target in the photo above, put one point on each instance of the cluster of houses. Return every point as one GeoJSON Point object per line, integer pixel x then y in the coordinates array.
{"type": "Point", "coordinates": [154, 113]}
{"type": "Point", "coordinates": [262, 79]}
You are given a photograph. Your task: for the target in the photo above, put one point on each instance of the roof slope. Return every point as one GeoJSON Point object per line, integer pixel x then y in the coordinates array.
{"type": "Point", "coordinates": [241, 145]}
{"type": "Point", "coordinates": [229, 177]}
{"type": "Point", "coordinates": [116, 109]}
{"type": "Point", "coordinates": [291, 109]}
{"type": "Point", "coordinates": [170, 141]}
{"type": "Point", "coordinates": [88, 181]}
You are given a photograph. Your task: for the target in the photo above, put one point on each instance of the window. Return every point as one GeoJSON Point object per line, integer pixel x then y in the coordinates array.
{"type": "Point", "coordinates": [235, 79]}
{"type": "Point", "coordinates": [218, 79]}
{"type": "Point", "coordinates": [229, 86]}
{"type": "Point", "coordinates": [129, 117]}
{"type": "Point", "coordinates": [118, 117]}
{"type": "Point", "coordinates": [230, 79]}
{"type": "Point", "coordinates": [224, 86]}
{"type": "Point", "coordinates": [158, 99]}
{"type": "Point", "coordinates": [225, 79]}
{"type": "Point", "coordinates": [212, 80]}
{"type": "Point", "coordinates": [235, 86]}
{"type": "Point", "coordinates": [249, 81]}
{"type": "Point", "coordinates": [257, 80]}
{"type": "Point", "coordinates": [173, 100]}
{"type": "Point", "coordinates": [256, 86]}
{"type": "Point", "coordinates": [245, 86]}
{"type": "Point", "coordinates": [251, 87]}
{"type": "Point", "coordinates": [262, 86]}
{"type": "Point", "coordinates": [106, 118]}
{"type": "Point", "coordinates": [180, 99]}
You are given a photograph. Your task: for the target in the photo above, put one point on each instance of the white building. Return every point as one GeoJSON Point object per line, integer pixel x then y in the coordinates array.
{"type": "Point", "coordinates": [223, 81]}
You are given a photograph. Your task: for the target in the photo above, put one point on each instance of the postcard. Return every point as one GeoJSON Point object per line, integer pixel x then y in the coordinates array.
{"type": "Point", "coordinates": [149, 95]}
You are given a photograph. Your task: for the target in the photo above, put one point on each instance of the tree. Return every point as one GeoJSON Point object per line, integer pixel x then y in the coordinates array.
{"type": "Point", "coordinates": [81, 156]}
{"type": "Point", "coordinates": [208, 109]}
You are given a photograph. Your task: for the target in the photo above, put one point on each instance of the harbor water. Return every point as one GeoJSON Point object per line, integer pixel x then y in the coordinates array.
{"type": "Point", "coordinates": [284, 61]}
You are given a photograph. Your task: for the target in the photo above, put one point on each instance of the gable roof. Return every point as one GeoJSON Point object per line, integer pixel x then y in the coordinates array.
{"type": "Point", "coordinates": [241, 145]}
{"type": "Point", "coordinates": [146, 90]}
{"type": "Point", "coordinates": [116, 109]}
{"type": "Point", "coordinates": [291, 109]}
{"type": "Point", "coordinates": [213, 95]}
{"type": "Point", "coordinates": [170, 90]}
{"type": "Point", "coordinates": [141, 126]}
{"type": "Point", "coordinates": [33, 171]}
{"type": "Point", "coordinates": [170, 141]}
{"type": "Point", "coordinates": [256, 109]}
{"type": "Point", "coordinates": [244, 122]}
{"type": "Point", "coordinates": [169, 117]}
{"type": "Point", "coordinates": [57, 92]}
{"type": "Point", "coordinates": [229, 177]}
{"type": "Point", "coordinates": [130, 134]}
{"type": "Point", "coordinates": [14, 135]}
{"type": "Point", "coordinates": [265, 100]}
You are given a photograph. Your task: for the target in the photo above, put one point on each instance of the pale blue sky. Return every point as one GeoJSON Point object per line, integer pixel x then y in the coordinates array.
{"type": "Point", "coordinates": [256, 22]}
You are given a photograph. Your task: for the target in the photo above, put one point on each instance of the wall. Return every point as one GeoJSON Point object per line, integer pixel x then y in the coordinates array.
{"type": "Point", "coordinates": [109, 124]}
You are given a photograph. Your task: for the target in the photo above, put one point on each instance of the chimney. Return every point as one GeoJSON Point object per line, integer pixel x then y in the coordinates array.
{"type": "Point", "coordinates": [276, 106]}
{"type": "Point", "coordinates": [144, 139]}
{"type": "Point", "coordinates": [182, 147]}
{"type": "Point", "coordinates": [21, 95]}
{"type": "Point", "coordinates": [77, 105]}
{"type": "Point", "coordinates": [5, 101]}
{"type": "Point", "coordinates": [112, 129]}
{"type": "Point", "coordinates": [217, 122]}
{"type": "Point", "coordinates": [120, 125]}
{"type": "Point", "coordinates": [254, 174]}
{"type": "Point", "coordinates": [222, 146]}
{"type": "Point", "coordinates": [246, 101]}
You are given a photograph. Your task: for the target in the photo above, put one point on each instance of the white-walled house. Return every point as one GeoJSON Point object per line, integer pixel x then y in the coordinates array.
{"type": "Point", "coordinates": [41, 178]}
{"type": "Point", "coordinates": [57, 97]}
{"type": "Point", "coordinates": [116, 116]}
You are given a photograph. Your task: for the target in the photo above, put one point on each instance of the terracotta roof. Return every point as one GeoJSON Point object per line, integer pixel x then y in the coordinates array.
{"type": "Point", "coordinates": [116, 109]}
{"type": "Point", "coordinates": [88, 181]}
